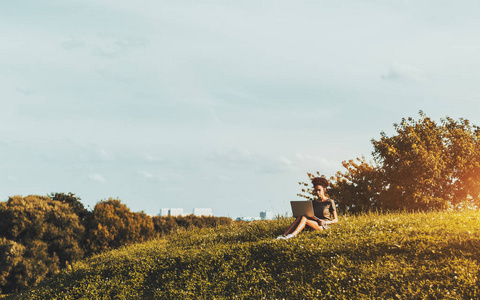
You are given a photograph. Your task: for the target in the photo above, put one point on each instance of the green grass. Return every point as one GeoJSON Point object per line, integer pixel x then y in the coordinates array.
{"type": "Point", "coordinates": [374, 256]}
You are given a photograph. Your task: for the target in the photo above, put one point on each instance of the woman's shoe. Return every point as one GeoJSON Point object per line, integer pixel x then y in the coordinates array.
{"type": "Point", "coordinates": [281, 237]}
{"type": "Point", "coordinates": [289, 236]}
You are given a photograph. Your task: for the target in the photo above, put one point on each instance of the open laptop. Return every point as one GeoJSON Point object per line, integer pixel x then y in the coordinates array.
{"type": "Point", "coordinates": [302, 208]}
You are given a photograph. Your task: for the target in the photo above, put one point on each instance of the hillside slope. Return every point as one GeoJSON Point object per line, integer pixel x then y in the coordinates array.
{"type": "Point", "coordinates": [392, 256]}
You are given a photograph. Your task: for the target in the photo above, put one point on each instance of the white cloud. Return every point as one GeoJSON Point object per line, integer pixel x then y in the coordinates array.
{"type": "Point", "coordinates": [239, 159]}
{"type": "Point", "coordinates": [103, 154]}
{"type": "Point", "coordinates": [243, 159]}
{"type": "Point", "coordinates": [170, 177]}
{"type": "Point", "coordinates": [311, 163]}
{"type": "Point", "coordinates": [91, 153]}
{"type": "Point", "coordinates": [107, 45]}
{"type": "Point", "coordinates": [24, 91]}
{"type": "Point", "coordinates": [73, 43]}
{"type": "Point", "coordinates": [397, 71]}
{"type": "Point", "coordinates": [151, 158]}
{"type": "Point", "coordinates": [146, 174]}
{"type": "Point", "coordinates": [285, 160]}
{"type": "Point", "coordinates": [164, 177]}
{"type": "Point", "coordinates": [223, 177]}
{"type": "Point", "coordinates": [466, 48]}
{"type": "Point", "coordinates": [97, 178]}
{"type": "Point", "coordinates": [236, 158]}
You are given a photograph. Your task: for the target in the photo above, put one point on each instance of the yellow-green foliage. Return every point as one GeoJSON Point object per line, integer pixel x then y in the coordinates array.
{"type": "Point", "coordinates": [38, 236]}
{"type": "Point", "coordinates": [167, 224]}
{"type": "Point", "coordinates": [112, 225]}
{"type": "Point", "coordinates": [392, 256]}
{"type": "Point", "coordinates": [422, 166]}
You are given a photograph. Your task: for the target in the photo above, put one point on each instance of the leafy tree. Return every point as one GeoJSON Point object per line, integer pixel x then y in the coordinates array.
{"type": "Point", "coordinates": [414, 165]}
{"type": "Point", "coordinates": [307, 190]}
{"type": "Point", "coordinates": [423, 166]}
{"type": "Point", "coordinates": [113, 225]}
{"type": "Point", "coordinates": [46, 234]}
{"type": "Point", "coordinates": [11, 257]}
{"type": "Point", "coordinates": [427, 166]}
{"type": "Point", "coordinates": [357, 189]}
{"type": "Point", "coordinates": [74, 202]}
{"type": "Point", "coordinates": [164, 225]}
{"type": "Point", "coordinates": [463, 143]}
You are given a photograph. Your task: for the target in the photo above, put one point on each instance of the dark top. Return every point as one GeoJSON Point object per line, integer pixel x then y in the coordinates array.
{"type": "Point", "coordinates": [324, 209]}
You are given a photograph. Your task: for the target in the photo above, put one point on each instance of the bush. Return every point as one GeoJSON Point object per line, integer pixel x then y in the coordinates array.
{"type": "Point", "coordinates": [75, 203]}
{"type": "Point", "coordinates": [168, 224]}
{"type": "Point", "coordinates": [39, 236]}
{"type": "Point", "coordinates": [113, 225]}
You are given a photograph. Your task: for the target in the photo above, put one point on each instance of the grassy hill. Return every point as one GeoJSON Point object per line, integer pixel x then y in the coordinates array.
{"type": "Point", "coordinates": [374, 256]}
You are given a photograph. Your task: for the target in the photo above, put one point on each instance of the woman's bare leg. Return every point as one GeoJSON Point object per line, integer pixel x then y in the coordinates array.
{"type": "Point", "coordinates": [301, 225]}
{"type": "Point", "coordinates": [293, 226]}
{"type": "Point", "coordinates": [313, 224]}
{"type": "Point", "coordinates": [306, 222]}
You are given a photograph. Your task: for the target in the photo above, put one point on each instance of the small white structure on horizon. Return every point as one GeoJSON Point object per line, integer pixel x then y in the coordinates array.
{"type": "Point", "coordinates": [202, 212]}
{"type": "Point", "coordinates": [266, 215]}
{"type": "Point", "coordinates": [163, 212]}
{"type": "Point", "coordinates": [175, 212]}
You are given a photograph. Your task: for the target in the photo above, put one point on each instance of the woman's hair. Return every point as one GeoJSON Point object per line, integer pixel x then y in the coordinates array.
{"type": "Point", "coordinates": [320, 181]}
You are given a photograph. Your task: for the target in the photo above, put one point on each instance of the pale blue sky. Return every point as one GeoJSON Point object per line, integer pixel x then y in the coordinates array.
{"type": "Point", "coordinates": [218, 104]}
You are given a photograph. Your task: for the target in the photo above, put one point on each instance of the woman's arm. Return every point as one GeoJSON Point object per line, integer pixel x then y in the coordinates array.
{"type": "Point", "coordinates": [335, 218]}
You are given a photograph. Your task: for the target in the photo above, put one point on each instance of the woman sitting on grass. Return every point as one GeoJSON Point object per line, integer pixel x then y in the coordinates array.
{"type": "Point", "coordinates": [323, 208]}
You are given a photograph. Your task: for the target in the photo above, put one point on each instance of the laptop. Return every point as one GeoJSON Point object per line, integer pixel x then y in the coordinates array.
{"type": "Point", "coordinates": [302, 208]}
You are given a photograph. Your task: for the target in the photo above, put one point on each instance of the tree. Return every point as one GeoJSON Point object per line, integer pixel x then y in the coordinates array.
{"type": "Point", "coordinates": [46, 234]}
{"type": "Point", "coordinates": [11, 256]}
{"type": "Point", "coordinates": [354, 190]}
{"type": "Point", "coordinates": [463, 144]}
{"type": "Point", "coordinates": [423, 166]}
{"type": "Point", "coordinates": [428, 166]}
{"type": "Point", "coordinates": [357, 189]}
{"type": "Point", "coordinates": [74, 202]}
{"type": "Point", "coordinates": [414, 165]}
{"type": "Point", "coordinates": [113, 225]}
{"type": "Point", "coordinates": [307, 191]}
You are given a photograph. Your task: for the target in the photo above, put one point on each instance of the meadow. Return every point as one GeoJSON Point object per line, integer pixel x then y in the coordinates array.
{"type": "Point", "coordinates": [432, 255]}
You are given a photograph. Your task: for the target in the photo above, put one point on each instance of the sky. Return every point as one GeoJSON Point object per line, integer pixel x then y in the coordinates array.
{"type": "Point", "coordinates": [219, 104]}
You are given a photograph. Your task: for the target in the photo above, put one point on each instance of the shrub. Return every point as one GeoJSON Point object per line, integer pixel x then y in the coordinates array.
{"type": "Point", "coordinates": [113, 225]}
{"type": "Point", "coordinates": [167, 224]}
{"type": "Point", "coordinates": [39, 236]}
{"type": "Point", "coordinates": [75, 203]}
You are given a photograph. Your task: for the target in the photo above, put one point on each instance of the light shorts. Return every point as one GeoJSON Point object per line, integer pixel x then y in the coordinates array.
{"type": "Point", "coordinates": [324, 227]}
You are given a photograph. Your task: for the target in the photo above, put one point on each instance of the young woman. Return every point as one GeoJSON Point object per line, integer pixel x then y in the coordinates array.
{"type": "Point", "coordinates": [324, 211]}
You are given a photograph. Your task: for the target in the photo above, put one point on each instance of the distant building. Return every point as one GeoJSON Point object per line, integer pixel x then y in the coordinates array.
{"type": "Point", "coordinates": [266, 215]}
{"type": "Point", "coordinates": [202, 212]}
{"type": "Point", "coordinates": [163, 212]}
{"type": "Point", "coordinates": [175, 212]}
